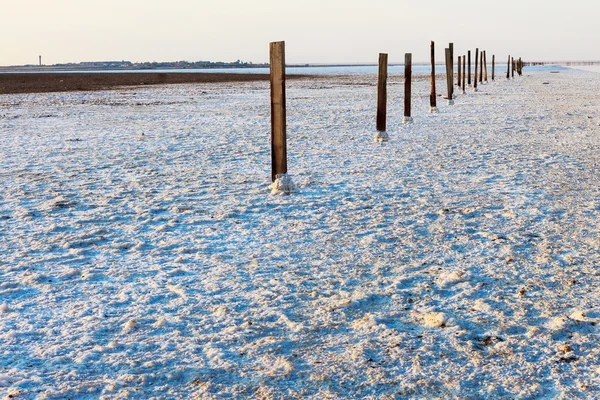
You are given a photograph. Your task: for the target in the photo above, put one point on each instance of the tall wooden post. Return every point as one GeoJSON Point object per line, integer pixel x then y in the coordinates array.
{"type": "Point", "coordinates": [520, 67]}
{"type": "Point", "coordinates": [485, 66]}
{"type": "Point", "coordinates": [459, 71]}
{"type": "Point", "coordinates": [481, 66]}
{"type": "Point", "coordinates": [278, 115]}
{"type": "Point", "coordinates": [407, 88]}
{"type": "Point", "coordinates": [469, 60]}
{"type": "Point", "coordinates": [508, 68]}
{"type": "Point", "coordinates": [475, 76]}
{"type": "Point", "coordinates": [513, 67]}
{"type": "Point", "coordinates": [493, 66]}
{"type": "Point", "coordinates": [432, 94]}
{"type": "Point", "coordinates": [382, 93]}
{"type": "Point", "coordinates": [451, 47]}
{"type": "Point", "coordinates": [463, 72]}
{"type": "Point", "coordinates": [449, 75]}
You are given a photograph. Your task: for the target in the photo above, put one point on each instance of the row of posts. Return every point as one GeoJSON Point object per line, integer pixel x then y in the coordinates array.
{"type": "Point", "coordinates": [282, 182]}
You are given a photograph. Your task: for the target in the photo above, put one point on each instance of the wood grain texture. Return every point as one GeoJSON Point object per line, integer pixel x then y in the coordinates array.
{"type": "Point", "coordinates": [513, 66]}
{"type": "Point", "coordinates": [481, 67]}
{"type": "Point", "coordinates": [458, 79]}
{"type": "Point", "coordinates": [451, 47]}
{"type": "Point", "coordinates": [407, 83]}
{"type": "Point", "coordinates": [382, 93]}
{"type": "Point", "coordinates": [476, 64]}
{"type": "Point", "coordinates": [469, 61]}
{"type": "Point", "coordinates": [278, 111]}
{"type": "Point", "coordinates": [485, 66]}
{"type": "Point", "coordinates": [463, 72]}
{"type": "Point", "coordinates": [432, 92]}
{"type": "Point", "coordinates": [449, 73]}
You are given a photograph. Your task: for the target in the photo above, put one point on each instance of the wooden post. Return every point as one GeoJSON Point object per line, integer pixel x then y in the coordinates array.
{"type": "Point", "coordinates": [459, 80]}
{"type": "Point", "coordinates": [407, 87]}
{"type": "Point", "coordinates": [382, 93]}
{"type": "Point", "coordinates": [520, 67]}
{"type": "Point", "coordinates": [278, 116]}
{"type": "Point", "coordinates": [485, 66]}
{"type": "Point", "coordinates": [449, 75]}
{"type": "Point", "coordinates": [469, 60]}
{"type": "Point", "coordinates": [451, 47]}
{"type": "Point", "coordinates": [463, 72]}
{"type": "Point", "coordinates": [508, 68]}
{"type": "Point", "coordinates": [475, 76]}
{"type": "Point", "coordinates": [481, 66]}
{"type": "Point", "coordinates": [493, 66]}
{"type": "Point", "coordinates": [513, 67]}
{"type": "Point", "coordinates": [432, 94]}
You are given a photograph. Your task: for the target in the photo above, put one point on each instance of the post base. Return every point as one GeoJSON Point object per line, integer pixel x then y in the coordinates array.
{"type": "Point", "coordinates": [433, 109]}
{"type": "Point", "coordinates": [407, 120]}
{"type": "Point", "coordinates": [464, 92]}
{"type": "Point", "coordinates": [475, 89]}
{"type": "Point", "coordinates": [283, 184]}
{"type": "Point", "coordinates": [450, 102]}
{"type": "Point", "coordinates": [381, 137]}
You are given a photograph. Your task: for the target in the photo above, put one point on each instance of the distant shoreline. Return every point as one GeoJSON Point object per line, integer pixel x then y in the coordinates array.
{"type": "Point", "coordinates": [37, 82]}
{"type": "Point", "coordinates": [179, 69]}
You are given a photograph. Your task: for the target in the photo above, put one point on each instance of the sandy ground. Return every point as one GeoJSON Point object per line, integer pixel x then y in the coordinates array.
{"type": "Point", "coordinates": [142, 255]}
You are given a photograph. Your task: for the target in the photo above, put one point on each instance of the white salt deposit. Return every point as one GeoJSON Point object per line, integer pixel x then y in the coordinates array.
{"type": "Point", "coordinates": [381, 136]}
{"type": "Point", "coordinates": [460, 260]}
{"type": "Point", "coordinates": [435, 319]}
{"type": "Point", "coordinates": [282, 185]}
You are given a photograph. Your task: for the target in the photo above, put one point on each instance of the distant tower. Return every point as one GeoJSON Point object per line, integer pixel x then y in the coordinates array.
{"type": "Point", "coordinates": [40, 61]}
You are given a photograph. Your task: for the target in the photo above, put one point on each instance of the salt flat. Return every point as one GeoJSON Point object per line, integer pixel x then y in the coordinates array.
{"type": "Point", "coordinates": [142, 255]}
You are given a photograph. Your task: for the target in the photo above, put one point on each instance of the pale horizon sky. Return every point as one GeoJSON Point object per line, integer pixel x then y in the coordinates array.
{"type": "Point", "coordinates": [326, 31]}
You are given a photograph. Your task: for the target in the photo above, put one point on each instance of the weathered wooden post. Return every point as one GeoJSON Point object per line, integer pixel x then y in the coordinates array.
{"type": "Point", "coordinates": [459, 71]}
{"type": "Point", "coordinates": [485, 66]}
{"type": "Point", "coordinates": [469, 55]}
{"type": "Point", "coordinates": [464, 66]}
{"type": "Point", "coordinates": [520, 67]}
{"type": "Point", "coordinates": [381, 135]}
{"type": "Point", "coordinates": [451, 47]}
{"type": "Point", "coordinates": [481, 66]}
{"type": "Point", "coordinates": [449, 76]}
{"type": "Point", "coordinates": [513, 67]}
{"type": "Point", "coordinates": [475, 76]}
{"type": "Point", "coordinates": [493, 66]}
{"type": "Point", "coordinates": [281, 182]}
{"type": "Point", "coordinates": [407, 88]}
{"type": "Point", "coordinates": [432, 93]}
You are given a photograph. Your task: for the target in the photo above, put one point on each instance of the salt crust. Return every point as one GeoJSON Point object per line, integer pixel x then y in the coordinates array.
{"type": "Point", "coordinates": [381, 136]}
{"type": "Point", "coordinates": [282, 185]}
{"type": "Point", "coordinates": [333, 294]}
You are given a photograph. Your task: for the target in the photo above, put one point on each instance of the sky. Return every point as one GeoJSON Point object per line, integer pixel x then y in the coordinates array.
{"type": "Point", "coordinates": [315, 31]}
